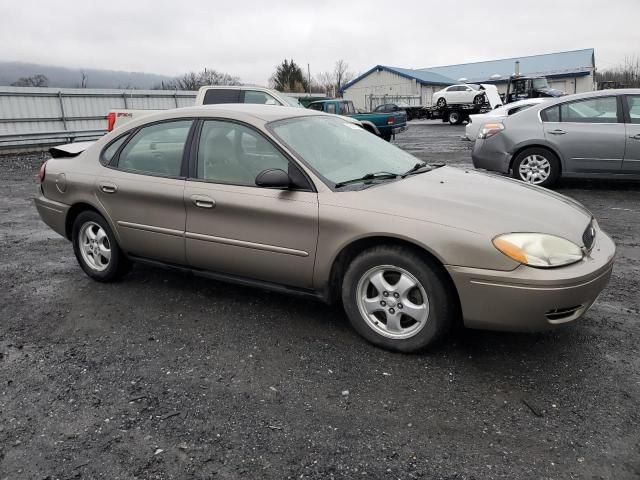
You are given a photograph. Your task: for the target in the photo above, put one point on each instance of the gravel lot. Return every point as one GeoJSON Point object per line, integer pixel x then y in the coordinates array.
{"type": "Point", "coordinates": [169, 376]}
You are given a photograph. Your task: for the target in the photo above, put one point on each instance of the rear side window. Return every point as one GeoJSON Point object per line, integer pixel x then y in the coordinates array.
{"type": "Point", "coordinates": [331, 108]}
{"type": "Point", "coordinates": [221, 95]}
{"type": "Point", "coordinates": [594, 110]}
{"type": "Point", "coordinates": [316, 106]}
{"type": "Point", "coordinates": [346, 108]}
{"type": "Point", "coordinates": [551, 114]}
{"type": "Point", "coordinates": [633, 103]}
{"type": "Point", "coordinates": [109, 152]}
{"type": "Point", "coordinates": [156, 149]}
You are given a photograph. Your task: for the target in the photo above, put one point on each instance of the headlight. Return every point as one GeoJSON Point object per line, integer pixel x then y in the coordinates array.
{"type": "Point", "coordinates": [538, 249]}
{"type": "Point", "coordinates": [489, 130]}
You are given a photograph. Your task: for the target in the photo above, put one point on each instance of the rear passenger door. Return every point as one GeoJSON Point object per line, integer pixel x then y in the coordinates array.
{"type": "Point", "coordinates": [588, 133]}
{"type": "Point", "coordinates": [142, 190]}
{"type": "Point", "coordinates": [631, 162]}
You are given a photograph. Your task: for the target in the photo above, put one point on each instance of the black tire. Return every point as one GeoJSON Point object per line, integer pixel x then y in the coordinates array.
{"type": "Point", "coordinates": [387, 137]}
{"type": "Point", "coordinates": [455, 118]}
{"type": "Point", "coordinates": [441, 102]}
{"type": "Point", "coordinates": [117, 265]}
{"type": "Point", "coordinates": [552, 158]}
{"type": "Point", "coordinates": [442, 302]}
{"type": "Point", "coordinates": [479, 99]}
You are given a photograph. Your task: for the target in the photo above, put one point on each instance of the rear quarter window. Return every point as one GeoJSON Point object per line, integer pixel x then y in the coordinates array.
{"type": "Point", "coordinates": [551, 114]}
{"type": "Point", "coordinates": [111, 150]}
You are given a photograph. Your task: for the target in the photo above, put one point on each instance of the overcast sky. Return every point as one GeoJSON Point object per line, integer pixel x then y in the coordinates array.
{"type": "Point", "coordinates": [249, 38]}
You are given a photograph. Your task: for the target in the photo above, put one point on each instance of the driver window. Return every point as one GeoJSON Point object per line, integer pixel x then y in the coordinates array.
{"type": "Point", "coordinates": [235, 154]}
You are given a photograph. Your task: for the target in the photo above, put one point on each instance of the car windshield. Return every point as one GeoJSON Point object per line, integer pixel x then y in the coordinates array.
{"type": "Point", "coordinates": [540, 83]}
{"type": "Point", "coordinates": [292, 101]}
{"type": "Point", "coordinates": [339, 150]}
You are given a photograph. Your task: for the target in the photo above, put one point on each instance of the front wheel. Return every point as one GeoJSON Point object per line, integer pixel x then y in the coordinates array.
{"type": "Point", "coordinates": [96, 249]}
{"type": "Point", "coordinates": [398, 299]}
{"type": "Point", "coordinates": [537, 166]}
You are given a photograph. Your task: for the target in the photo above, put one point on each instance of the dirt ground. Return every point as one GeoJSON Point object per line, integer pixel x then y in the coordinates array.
{"type": "Point", "coordinates": [164, 376]}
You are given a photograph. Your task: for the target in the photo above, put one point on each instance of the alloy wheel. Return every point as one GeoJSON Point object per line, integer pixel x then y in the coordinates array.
{"type": "Point", "coordinates": [534, 169]}
{"type": "Point", "coordinates": [95, 247]}
{"type": "Point", "coordinates": [392, 301]}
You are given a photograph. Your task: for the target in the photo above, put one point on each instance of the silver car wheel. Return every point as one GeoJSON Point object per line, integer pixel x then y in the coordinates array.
{"type": "Point", "coordinates": [94, 246]}
{"type": "Point", "coordinates": [534, 169]}
{"type": "Point", "coordinates": [393, 302]}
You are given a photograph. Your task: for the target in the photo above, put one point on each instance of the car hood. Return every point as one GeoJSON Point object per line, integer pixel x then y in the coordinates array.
{"type": "Point", "coordinates": [550, 92]}
{"type": "Point", "coordinates": [474, 201]}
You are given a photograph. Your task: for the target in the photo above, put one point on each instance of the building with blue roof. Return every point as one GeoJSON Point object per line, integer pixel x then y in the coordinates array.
{"type": "Point", "coordinates": [571, 72]}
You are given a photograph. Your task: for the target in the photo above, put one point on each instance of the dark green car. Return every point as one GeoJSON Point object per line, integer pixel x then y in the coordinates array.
{"type": "Point", "coordinates": [384, 125]}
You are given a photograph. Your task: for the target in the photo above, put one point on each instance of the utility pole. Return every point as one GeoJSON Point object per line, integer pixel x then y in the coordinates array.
{"type": "Point", "coordinates": [309, 75]}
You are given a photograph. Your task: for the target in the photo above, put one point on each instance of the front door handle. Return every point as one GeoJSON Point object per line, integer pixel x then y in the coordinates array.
{"type": "Point", "coordinates": [202, 201]}
{"type": "Point", "coordinates": [557, 132]}
{"type": "Point", "coordinates": [635, 137]}
{"type": "Point", "coordinates": [109, 187]}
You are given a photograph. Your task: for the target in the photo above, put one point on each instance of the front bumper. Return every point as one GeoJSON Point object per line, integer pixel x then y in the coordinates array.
{"type": "Point", "coordinates": [52, 213]}
{"type": "Point", "coordinates": [490, 154]}
{"type": "Point", "coordinates": [531, 299]}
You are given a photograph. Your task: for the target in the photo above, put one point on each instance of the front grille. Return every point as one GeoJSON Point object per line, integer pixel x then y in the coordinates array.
{"type": "Point", "coordinates": [589, 236]}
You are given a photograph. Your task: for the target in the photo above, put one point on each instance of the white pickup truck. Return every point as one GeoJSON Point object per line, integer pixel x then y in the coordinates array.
{"type": "Point", "coordinates": [211, 96]}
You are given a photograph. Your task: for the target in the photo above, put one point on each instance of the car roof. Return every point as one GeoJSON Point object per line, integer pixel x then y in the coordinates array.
{"type": "Point", "coordinates": [251, 113]}
{"type": "Point", "coordinates": [594, 94]}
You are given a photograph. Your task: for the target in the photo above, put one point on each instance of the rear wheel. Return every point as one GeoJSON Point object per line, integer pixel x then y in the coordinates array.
{"type": "Point", "coordinates": [397, 299]}
{"type": "Point", "coordinates": [441, 102]}
{"type": "Point", "coordinates": [455, 118]}
{"type": "Point", "coordinates": [479, 99]}
{"type": "Point", "coordinates": [96, 249]}
{"type": "Point", "coordinates": [537, 166]}
{"type": "Point", "coordinates": [387, 137]}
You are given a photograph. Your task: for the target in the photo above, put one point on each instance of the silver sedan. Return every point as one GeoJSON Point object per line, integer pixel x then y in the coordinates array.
{"type": "Point", "coordinates": [595, 134]}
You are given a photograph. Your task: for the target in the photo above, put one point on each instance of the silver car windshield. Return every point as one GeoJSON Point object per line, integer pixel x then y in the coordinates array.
{"type": "Point", "coordinates": [339, 150]}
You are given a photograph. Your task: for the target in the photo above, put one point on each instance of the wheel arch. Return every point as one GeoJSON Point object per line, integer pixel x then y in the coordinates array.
{"type": "Point", "coordinates": [544, 146]}
{"type": "Point", "coordinates": [351, 250]}
{"type": "Point", "coordinates": [370, 127]}
{"type": "Point", "coordinates": [79, 207]}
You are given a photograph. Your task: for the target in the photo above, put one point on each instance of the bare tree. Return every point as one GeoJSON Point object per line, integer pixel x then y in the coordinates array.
{"type": "Point", "coordinates": [341, 74]}
{"type": "Point", "coordinates": [84, 79]}
{"type": "Point", "coordinates": [627, 74]}
{"type": "Point", "coordinates": [195, 80]}
{"type": "Point", "coordinates": [38, 80]}
{"type": "Point", "coordinates": [325, 81]}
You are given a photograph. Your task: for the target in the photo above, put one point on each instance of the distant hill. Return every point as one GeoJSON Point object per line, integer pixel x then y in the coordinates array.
{"type": "Point", "coordinates": [72, 77]}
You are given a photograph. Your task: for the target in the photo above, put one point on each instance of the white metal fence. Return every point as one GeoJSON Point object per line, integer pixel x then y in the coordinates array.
{"type": "Point", "coordinates": [33, 118]}
{"type": "Point", "coordinates": [374, 101]}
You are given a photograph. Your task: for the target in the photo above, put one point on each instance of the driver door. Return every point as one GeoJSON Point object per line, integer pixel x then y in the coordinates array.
{"type": "Point", "coordinates": [235, 227]}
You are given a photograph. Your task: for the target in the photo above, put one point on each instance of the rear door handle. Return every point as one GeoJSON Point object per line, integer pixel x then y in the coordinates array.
{"type": "Point", "coordinates": [109, 187]}
{"type": "Point", "coordinates": [202, 201]}
{"type": "Point", "coordinates": [557, 132]}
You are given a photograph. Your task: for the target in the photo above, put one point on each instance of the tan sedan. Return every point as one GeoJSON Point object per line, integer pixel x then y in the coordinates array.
{"type": "Point", "coordinates": [307, 203]}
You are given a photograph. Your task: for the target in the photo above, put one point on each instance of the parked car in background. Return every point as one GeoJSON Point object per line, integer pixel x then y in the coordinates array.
{"type": "Point", "coordinates": [594, 134]}
{"type": "Point", "coordinates": [457, 94]}
{"type": "Point", "coordinates": [302, 202]}
{"type": "Point", "coordinates": [385, 125]}
{"type": "Point", "coordinates": [214, 95]}
{"type": "Point", "coordinates": [478, 120]}
{"type": "Point", "coordinates": [411, 111]}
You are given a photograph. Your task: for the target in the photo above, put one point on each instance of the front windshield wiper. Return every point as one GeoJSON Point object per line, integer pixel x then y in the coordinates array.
{"type": "Point", "coordinates": [417, 168]}
{"type": "Point", "coordinates": [368, 176]}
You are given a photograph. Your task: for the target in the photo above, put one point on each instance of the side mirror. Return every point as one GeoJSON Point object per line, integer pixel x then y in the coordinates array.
{"type": "Point", "coordinates": [273, 178]}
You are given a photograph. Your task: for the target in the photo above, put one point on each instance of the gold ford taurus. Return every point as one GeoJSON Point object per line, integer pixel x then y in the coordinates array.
{"type": "Point", "coordinates": [310, 203]}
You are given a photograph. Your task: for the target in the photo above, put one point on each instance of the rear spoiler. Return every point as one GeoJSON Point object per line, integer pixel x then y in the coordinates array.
{"type": "Point", "coordinates": [70, 149]}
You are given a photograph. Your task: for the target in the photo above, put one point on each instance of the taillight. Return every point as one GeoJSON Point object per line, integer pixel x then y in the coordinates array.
{"type": "Point", "coordinates": [111, 121]}
{"type": "Point", "coordinates": [390, 120]}
{"type": "Point", "coordinates": [488, 130]}
{"type": "Point", "coordinates": [42, 172]}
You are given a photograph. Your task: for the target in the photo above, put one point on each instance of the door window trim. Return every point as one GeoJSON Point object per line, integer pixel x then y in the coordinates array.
{"type": "Point", "coordinates": [192, 171]}
{"type": "Point", "coordinates": [114, 163]}
{"type": "Point", "coordinates": [627, 107]}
